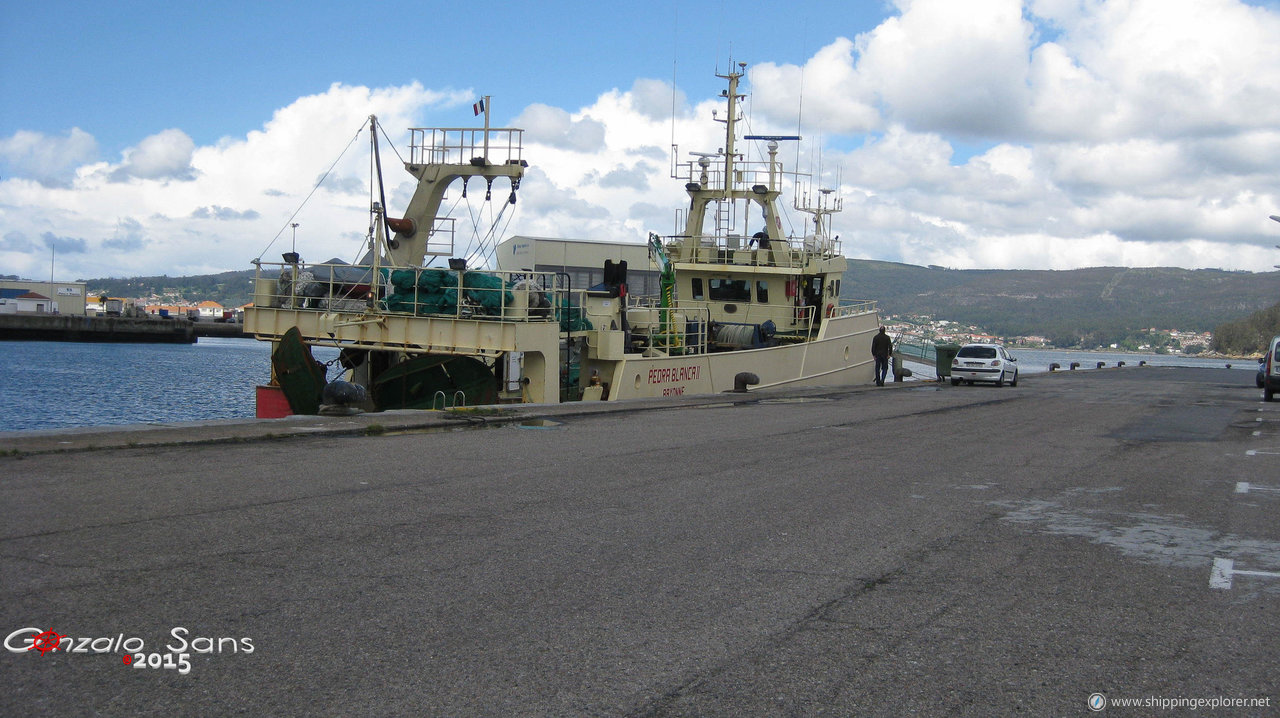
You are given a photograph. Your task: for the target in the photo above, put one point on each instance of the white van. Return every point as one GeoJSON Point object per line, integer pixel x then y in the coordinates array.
{"type": "Point", "coordinates": [1271, 370]}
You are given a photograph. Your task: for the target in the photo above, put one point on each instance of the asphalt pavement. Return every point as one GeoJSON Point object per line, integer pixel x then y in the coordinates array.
{"type": "Point", "coordinates": [919, 549]}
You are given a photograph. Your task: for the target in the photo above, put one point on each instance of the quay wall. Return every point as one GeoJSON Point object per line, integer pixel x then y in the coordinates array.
{"type": "Point", "coordinates": [230, 330]}
{"type": "Point", "coordinates": [72, 328]}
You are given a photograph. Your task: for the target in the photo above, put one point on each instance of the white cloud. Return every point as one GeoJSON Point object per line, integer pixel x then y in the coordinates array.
{"type": "Point", "coordinates": [48, 160]}
{"type": "Point", "coordinates": [830, 91]}
{"type": "Point", "coordinates": [1167, 68]}
{"type": "Point", "coordinates": [951, 66]}
{"type": "Point", "coordinates": [1247, 153]}
{"type": "Point", "coordinates": [557, 128]}
{"type": "Point", "coordinates": [66, 245]}
{"type": "Point", "coordinates": [1139, 166]}
{"type": "Point", "coordinates": [190, 210]}
{"type": "Point", "coordinates": [223, 213]}
{"type": "Point", "coordinates": [1070, 101]}
{"type": "Point", "coordinates": [17, 242]}
{"type": "Point", "coordinates": [130, 236]}
{"type": "Point", "coordinates": [654, 99]}
{"type": "Point", "coordinates": [165, 155]}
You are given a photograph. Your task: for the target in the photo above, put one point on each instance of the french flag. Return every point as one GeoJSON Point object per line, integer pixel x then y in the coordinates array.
{"type": "Point", "coordinates": [478, 107]}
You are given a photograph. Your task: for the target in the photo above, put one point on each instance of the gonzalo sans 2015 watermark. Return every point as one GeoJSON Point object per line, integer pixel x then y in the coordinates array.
{"type": "Point", "coordinates": [179, 648]}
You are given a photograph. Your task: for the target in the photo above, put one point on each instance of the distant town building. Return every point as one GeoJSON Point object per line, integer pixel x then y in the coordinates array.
{"type": "Point", "coordinates": [166, 310]}
{"type": "Point", "coordinates": [209, 310]}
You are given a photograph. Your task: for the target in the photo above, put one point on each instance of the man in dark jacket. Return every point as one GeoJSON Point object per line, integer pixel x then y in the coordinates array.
{"type": "Point", "coordinates": [881, 346]}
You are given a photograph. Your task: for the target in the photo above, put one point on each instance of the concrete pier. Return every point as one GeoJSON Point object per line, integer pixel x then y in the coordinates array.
{"type": "Point", "coordinates": [65, 327]}
{"type": "Point", "coordinates": [918, 549]}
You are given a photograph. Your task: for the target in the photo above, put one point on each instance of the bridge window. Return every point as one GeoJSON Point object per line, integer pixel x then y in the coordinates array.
{"type": "Point", "coordinates": [762, 292]}
{"type": "Point", "coordinates": [730, 290]}
{"type": "Point", "coordinates": [697, 287]}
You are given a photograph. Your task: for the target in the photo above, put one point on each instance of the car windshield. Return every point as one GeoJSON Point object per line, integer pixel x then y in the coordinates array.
{"type": "Point", "coordinates": [977, 352]}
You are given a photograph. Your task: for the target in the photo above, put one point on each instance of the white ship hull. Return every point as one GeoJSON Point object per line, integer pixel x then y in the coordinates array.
{"type": "Point", "coordinates": [841, 357]}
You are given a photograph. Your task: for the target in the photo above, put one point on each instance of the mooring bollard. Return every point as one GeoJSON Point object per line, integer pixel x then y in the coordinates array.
{"type": "Point", "coordinates": [1119, 364]}
{"type": "Point", "coordinates": [742, 379]}
{"type": "Point", "coordinates": [1075, 365]}
{"type": "Point", "coordinates": [1055, 366]}
{"type": "Point", "coordinates": [1142, 363]}
{"type": "Point", "coordinates": [899, 372]}
{"type": "Point", "coordinates": [1101, 364]}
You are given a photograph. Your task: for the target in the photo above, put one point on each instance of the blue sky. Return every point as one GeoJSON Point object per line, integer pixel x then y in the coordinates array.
{"type": "Point", "coordinates": [147, 137]}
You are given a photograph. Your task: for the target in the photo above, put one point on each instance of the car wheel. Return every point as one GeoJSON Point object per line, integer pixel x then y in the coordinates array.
{"type": "Point", "coordinates": [955, 382]}
{"type": "Point", "coordinates": [1000, 380]}
{"type": "Point", "coordinates": [1268, 394]}
{"type": "Point", "coordinates": [1015, 379]}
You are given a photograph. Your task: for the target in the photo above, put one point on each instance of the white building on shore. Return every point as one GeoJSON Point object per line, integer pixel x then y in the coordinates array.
{"type": "Point", "coordinates": [23, 296]}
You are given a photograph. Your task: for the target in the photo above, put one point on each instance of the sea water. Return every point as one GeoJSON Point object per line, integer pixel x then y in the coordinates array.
{"type": "Point", "coordinates": [53, 385]}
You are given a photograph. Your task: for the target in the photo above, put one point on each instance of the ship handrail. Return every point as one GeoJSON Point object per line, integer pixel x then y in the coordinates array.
{"type": "Point", "coordinates": [736, 250]}
{"type": "Point", "coordinates": [676, 339]}
{"type": "Point", "coordinates": [462, 145]}
{"type": "Point", "coordinates": [440, 240]}
{"type": "Point", "coordinates": [862, 306]}
{"type": "Point", "coordinates": [747, 173]}
{"type": "Point", "coordinates": [804, 315]}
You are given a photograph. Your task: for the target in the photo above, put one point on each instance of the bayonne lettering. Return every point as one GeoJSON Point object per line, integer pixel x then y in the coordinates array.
{"type": "Point", "coordinates": [668, 375]}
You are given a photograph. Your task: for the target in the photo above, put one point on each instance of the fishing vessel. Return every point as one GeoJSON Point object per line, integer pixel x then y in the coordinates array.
{"type": "Point", "coordinates": [735, 309]}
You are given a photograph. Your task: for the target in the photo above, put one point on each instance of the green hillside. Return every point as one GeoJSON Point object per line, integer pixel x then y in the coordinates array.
{"type": "Point", "coordinates": [1250, 335]}
{"type": "Point", "coordinates": [230, 289]}
{"type": "Point", "coordinates": [1079, 307]}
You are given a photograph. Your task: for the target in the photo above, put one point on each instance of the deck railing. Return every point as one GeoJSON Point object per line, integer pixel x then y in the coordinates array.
{"type": "Point", "coordinates": [733, 249]}
{"type": "Point", "coordinates": [421, 291]}
{"type": "Point", "coordinates": [853, 308]}
{"type": "Point", "coordinates": [462, 145]}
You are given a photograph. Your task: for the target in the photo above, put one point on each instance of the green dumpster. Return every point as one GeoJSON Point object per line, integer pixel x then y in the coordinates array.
{"type": "Point", "coordinates": [945, 353]}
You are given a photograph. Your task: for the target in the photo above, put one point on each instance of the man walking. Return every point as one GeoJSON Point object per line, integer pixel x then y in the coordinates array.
{"type": "Point", "coordinates": [881, 346]}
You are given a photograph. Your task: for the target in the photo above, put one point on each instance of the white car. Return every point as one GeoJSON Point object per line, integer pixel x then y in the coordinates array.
{"type": "Point", "coordinates": [984, 362]}
{"type": "Point", "coordinates": [1270, 372]}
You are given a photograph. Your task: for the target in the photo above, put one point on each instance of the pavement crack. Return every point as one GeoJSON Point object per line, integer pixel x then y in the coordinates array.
{"type": "Point", "coordinates": [817, 617]}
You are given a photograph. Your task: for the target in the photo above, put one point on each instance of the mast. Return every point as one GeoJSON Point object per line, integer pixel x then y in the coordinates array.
{"type": "Point", "coordinates": [731, 130]}
{"type": "Point", "coordinates": [701, 190]}
{"type": "Point", "coordinates": [484, 104]}
{"type": "Point", "coordinates": [726, 184]}
{"type": "Point", "coordinates": [438, 156]}
{"type": "Point", "coordinates": [738, 182]}
{"type": "Point", "coordinates": [381, 209]}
